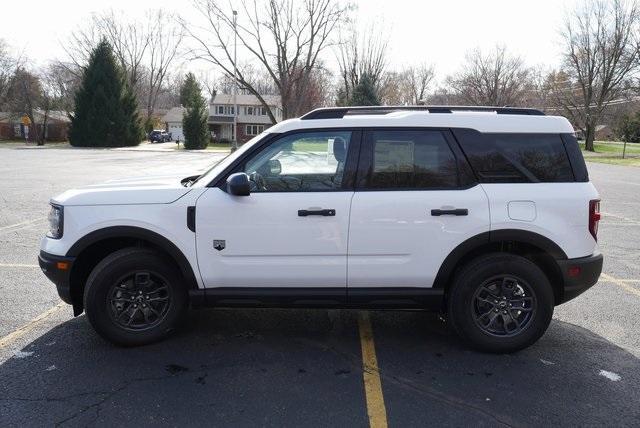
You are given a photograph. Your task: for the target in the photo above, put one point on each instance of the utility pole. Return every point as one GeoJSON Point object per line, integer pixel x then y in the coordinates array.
{"type": "Point", "coordinates": [235, 81]}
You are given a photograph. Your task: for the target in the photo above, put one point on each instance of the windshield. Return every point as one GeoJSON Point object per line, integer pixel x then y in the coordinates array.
{"type": "Point", "coordinates": [217, 168]}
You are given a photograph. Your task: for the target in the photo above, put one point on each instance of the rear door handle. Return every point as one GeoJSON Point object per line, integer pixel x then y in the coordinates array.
{"type": "Point", "coordinates": [456, 211]}
{"type": "Point", "coordinates": [324, 213]}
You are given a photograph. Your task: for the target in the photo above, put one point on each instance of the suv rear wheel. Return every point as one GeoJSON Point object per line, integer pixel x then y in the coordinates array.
{"type": "Point", "coordinates": [500, 303]}
{"type": "Point", "coordinates": [134, 297]}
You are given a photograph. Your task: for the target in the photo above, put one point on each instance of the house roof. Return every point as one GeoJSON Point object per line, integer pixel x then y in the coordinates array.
{"type": "Point", "coordinates": [244, 99]}
{"type": "Point", "coordinates": [174, 115]}
{"type": "Point", "coordinates": [53, 116]}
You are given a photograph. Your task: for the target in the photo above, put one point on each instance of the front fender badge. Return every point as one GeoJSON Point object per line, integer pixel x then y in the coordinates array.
{"type": "Point", "coordinates": [219, 244]}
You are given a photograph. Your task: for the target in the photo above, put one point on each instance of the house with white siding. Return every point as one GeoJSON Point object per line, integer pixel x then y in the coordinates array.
{"type": "Point", "coordinates": [252, 117]}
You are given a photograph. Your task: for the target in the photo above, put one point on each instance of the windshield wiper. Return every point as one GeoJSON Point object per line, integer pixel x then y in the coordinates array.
{"type": "Point", "coordinates": [188, 181]}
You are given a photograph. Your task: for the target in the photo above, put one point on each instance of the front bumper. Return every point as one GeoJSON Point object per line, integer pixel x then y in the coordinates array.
{"type": "Point", "coordinates": [579, 275]}
{"type": "Point", "coordinates": [58, 270]}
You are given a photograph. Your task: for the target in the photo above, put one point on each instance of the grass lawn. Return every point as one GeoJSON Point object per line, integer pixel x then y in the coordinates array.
{"type": "Point", "coordinates": [610, 152]}
{"type": "Point", "coordinates": [309, 146]}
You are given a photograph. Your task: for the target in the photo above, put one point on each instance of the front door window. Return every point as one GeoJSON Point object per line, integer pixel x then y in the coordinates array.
{"type": "Point", "coordinates": [302, 162]}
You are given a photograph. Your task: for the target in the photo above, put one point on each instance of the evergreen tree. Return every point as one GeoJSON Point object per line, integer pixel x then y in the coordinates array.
{"type": "Point", "coordinates": [105, 108]}
{"type": "Point", "coordinates": [364, 93]}
{"type": "Point", "coordinates": [194, 121]}
{"type": "Point", "coordinates": [189, 88]}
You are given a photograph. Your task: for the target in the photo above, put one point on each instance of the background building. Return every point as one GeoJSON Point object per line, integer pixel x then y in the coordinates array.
{"type": "Point", "coordinates": [57, 126]}
{"type": "Point", "coordinates": [252, 117]}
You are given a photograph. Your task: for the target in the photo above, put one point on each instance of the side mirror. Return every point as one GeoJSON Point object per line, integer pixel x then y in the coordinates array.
{"type": "Point", "coordinates": [238, 184]}
{"type": "Point", "coordinates": [275, 167]}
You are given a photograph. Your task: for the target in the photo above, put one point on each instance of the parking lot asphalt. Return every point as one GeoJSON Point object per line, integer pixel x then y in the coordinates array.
{"type": "Point", "coordinates": [302, 367]}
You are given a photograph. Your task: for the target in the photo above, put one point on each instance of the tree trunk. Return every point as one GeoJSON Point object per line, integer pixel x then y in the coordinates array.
{"type": "Point", "coordinates": [589, 136]}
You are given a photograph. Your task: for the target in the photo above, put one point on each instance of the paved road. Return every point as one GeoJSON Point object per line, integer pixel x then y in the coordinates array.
{"type": "Point", "coordinates": [301, 367]}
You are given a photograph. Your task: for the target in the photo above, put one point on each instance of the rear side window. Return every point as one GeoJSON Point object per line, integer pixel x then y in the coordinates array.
{"type": "Point", "coordinates": [408, 159]}
{"type": "Point", "coordinates": [519, 158]}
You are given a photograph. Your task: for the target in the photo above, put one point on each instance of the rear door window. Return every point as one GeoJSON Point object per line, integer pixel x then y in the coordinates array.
{"type": "Point", "coordinates": [407, 159]}
{"type": "Point", "coordinates": [520, 158]}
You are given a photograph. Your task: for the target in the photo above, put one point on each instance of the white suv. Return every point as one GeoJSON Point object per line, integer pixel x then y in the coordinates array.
{"type": "Point", "coordinates": [486, 214]}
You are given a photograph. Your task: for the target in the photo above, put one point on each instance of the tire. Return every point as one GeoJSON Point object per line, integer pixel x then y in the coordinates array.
{"type": "Point", "coordinates": [500, 303]}
{"type": "Point", "coordinates": [135, 297]}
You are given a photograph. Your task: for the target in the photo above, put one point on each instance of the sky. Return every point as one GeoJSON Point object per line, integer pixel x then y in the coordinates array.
{"type": "Point", "coordinates": [437, 32]}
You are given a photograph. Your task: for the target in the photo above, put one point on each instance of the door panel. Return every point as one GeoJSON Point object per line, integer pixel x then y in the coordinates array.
{"type": "Point", "coordinates": [394, 241]}
{"type": "Point", "coordinates": [291, 231]}
{"type": "Point", "coordinates": [267, 244]}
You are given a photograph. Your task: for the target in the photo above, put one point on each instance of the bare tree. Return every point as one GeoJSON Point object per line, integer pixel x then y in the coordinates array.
{"type": "Point", "coordinates": [600, 56]}
{"type": "Point", "coordinates": [61, 81]}
{"type": "Point", "coordinates": [417, 81]}
{"type": "Point", "coordinates": [164, 39]}
{"type": "Point", "coordinates": [444, 95]}
{"type": "Point", "coordinates": [392, 89]}
{"type": "Point", "coordinates": [363, 53]}
{"type": "Point", "coordinates": [496, 79]}
{"type": "Point", "coordinates": [283, 37]}
{"type": "Point", "coordinates": [128, 39]}
{"type": "Point", "coordinates": [24, 96]}
{"type": "Point", "coordinates": [146, 49]}
{"type": "Point", "coordinates": [8, 66]}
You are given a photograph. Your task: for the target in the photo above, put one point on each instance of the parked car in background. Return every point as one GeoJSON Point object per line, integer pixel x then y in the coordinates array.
{"type": "Point", "coordinates": [159, 136]}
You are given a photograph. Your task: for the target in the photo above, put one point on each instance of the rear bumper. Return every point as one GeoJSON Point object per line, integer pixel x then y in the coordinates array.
{"type": "Point", "coordinates": [58, 270]}
{"type": "Point", "coordinates": [579, 275]}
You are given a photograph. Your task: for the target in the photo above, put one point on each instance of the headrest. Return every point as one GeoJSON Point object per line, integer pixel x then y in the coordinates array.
{"type": "Point", "coordinates": [339, 149]}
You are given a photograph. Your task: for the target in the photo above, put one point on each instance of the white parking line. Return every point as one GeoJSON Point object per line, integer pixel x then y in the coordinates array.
{"type": "Point", "coordinates": [17, 265]}
{"type": "Point", "coordinates": [619, 217]}
{"type": "Point", "coordinates": [24, 223]}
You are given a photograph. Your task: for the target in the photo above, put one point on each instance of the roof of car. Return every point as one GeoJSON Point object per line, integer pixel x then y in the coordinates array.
{"type": "Point", "coordinates": [483, 119]}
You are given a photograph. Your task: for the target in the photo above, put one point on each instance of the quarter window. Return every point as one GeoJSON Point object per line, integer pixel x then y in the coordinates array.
{"type": "Point", "coordinates": [409, 159]}
{"type": "Point", "coordinates": [310, 161]}
{"type": "Point", "coordinates": [519, 158]}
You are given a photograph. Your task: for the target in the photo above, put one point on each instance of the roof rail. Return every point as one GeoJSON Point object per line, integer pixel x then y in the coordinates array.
{"type": "Point", "coordinates": [340, 112]}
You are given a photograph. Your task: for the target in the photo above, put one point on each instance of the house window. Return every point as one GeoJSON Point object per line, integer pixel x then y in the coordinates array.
{"type": "Point", "coordinates": [249, 111]}
{"type": "Point", "coordinates": [220, 110]}
{"type": "Point", "coordinates": [254, 129]}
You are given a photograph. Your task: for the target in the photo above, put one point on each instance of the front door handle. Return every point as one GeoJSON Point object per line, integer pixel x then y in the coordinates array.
{"type": "Point", "coordinates": [324, 213]}
{"type": "Point", "coordinates": [455, 211]}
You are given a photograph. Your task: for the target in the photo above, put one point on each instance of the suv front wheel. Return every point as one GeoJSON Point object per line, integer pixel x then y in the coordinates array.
{"type": "Point", "coordinates": [500, 303]}
{"type": "Point", "coordinates": [134, 297]}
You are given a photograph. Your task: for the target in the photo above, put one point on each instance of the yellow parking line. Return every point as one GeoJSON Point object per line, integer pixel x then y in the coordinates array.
{"type": "Point", "coordinates": [16, 334]}
{"type": "Point", "coordinates": [371, 374]}
{"type": "Point", "coordinates": [619, 283]}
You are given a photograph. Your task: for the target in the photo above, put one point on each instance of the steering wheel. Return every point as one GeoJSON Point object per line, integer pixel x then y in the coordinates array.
{"type": "Point", "coordinates": [257, 182]}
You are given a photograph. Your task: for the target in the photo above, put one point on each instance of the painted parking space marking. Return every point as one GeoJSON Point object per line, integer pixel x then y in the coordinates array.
{"type": "Point", "coordinates": [17, 226]}
{"type": "Point", "coordinates": [17, 265]}
{"type": "Point", "coordinates": [620, 283]}
{"type": "Point", "coordinates": [31, 325]}
{"type": "Point", "coordinates": [371, 374]}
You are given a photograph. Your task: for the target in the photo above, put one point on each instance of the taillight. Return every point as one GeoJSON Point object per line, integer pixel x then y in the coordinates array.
{"type": "Point", "coordinates": [594, 217]}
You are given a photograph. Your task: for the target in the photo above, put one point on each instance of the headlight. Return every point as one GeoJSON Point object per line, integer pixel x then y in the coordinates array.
{"type": "Point", "coordinates": [56, 222]}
